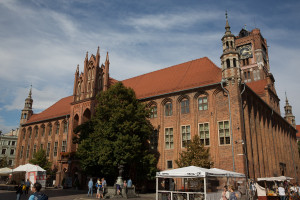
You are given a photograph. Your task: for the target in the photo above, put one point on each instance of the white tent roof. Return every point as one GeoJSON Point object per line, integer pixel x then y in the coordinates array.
{"type": "Point", "coordinates": [5, 171]}
{"type": "Point", "coordinates": [230, 173]}
{"type": "Point", "coordinates": [279, 178]}
{"type": "Point", "coordinates": [193, 171]}
{"type": "Point", "coordinates": [29, 168]}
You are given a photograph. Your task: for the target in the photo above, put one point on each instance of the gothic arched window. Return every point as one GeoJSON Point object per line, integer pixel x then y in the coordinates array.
{"type": "Point", "coordinates": [168, 109]}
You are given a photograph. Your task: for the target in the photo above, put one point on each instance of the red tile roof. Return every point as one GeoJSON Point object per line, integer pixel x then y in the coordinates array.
{"type": "Point", "coordinates": [187, 75]}
{"type": "Point", "coordinates": [298, 129]}
{"type": "Point", "coordinates": [258, 86]}
{"type": "Point", "coordinates": [60, 108]}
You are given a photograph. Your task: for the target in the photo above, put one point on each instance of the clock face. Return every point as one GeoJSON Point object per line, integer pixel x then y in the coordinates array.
{"type": "Point", "coordinates": [245, 51]}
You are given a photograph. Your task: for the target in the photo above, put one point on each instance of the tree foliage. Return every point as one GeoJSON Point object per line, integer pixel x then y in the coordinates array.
{"type": "Point", "coordinates": [119, 134]}
{"type": "Point", "coordinates": [3, 162]}
{"type": "Point", "coordinates": [40, 159]}
{"type": "Point", "coordinates": [195, 155]}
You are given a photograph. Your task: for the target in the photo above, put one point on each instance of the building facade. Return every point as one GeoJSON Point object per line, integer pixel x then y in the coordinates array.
{"type": "Point", "coordinates": [8, 144]}
{"type": "Point", "coordinates": [234, 109]}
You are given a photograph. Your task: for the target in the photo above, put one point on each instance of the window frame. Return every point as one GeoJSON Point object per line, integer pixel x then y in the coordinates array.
{"type": "Point", "coordinates": [185, 106]}
{"type": "Point", "coordinates": [202, 97]}
{"type": "Point", "coordinates": [181, 134]}
{"type": "Point", "coordinates": [169, 161]}
{"type": "Point", "coordinates": [168, 108]}
{"type": "Point", "coordinates": [204, 143]}
{"type": "Point", "coordinates": [153, 111]}
{"type": "Point", "coordinates": [219, 138]}
{"type": "Point", "coordinates": [55, 149]}
{"type": "Point", "coordinates": [169, 142]}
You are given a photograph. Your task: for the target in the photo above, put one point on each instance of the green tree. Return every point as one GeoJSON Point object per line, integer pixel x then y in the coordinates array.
{"type": "Point", "coordinates": [119, 136]}
{"type": "Point", "coordinates": [3, 162]}
{"type": "Point", "coordinates": [195, 155]}
{"type": "Point", "coordinates": [40, 159]}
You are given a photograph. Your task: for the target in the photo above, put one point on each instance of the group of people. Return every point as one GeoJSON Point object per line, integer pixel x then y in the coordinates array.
{"type": "Point", "coordinates": [24, 188]}
{"type": "Point", "coordinates": [288, 191]}
{"type": "Point", "coordinates": [100, 187]}
{"type": "Point", "coordinates": [229, 193]}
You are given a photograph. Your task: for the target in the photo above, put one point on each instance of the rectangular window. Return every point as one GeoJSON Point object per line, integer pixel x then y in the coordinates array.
{"type": "Point", "coordinates": [21, 152]}
{"type": "Point", "coordinates": [170, 164]}
{"type": "Point", "coordinates": [202, 103]}
{"type": "Point", "coordinates": [224, 134]}
{"type": "Point", "coordinates": [42, 146]}
{"type": "Point", "coordinates": [63, 146]}
{"type": "Point", "coordinates": [186, 135]}
{"type": "Point", "coordinates": [48, 149]}
{"type": "Point", "coordinates": [185, 106]}
{"type": "Point", "coordinates": [12, 152]}
{"type": "Point", "coordinates": [57, 129]}
{"type": "Point", "coordinates": [65, 127]}
{"type": "Point", "coordinates": [169, 144]}
{"type": "Point", "coordinates": [55, 149]}
{"type": "Point", "coordinates": [168, 109]}
{"type": "Point", "coordinates": [27, 151]}
{"type": "Point", "coordinates": [204, 133]}
{"type": "Point", "coordinates": [3, 151]}
{"type": "Point", "coordinates": [153, 112]}
{"type": "Point", "coordinates": [10, 163]}
{"type": "Point", "coordinates": [8, 143]}
{"type": "Point", "coordinates": [13, 143]}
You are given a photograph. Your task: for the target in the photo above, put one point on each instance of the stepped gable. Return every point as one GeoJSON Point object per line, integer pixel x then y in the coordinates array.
{"type": "Point", "coordinates": [258, 86]}
{"type": "Point", "coordinates": [195, 73]}
{"type": "Point", "coordinates": [60, 108]}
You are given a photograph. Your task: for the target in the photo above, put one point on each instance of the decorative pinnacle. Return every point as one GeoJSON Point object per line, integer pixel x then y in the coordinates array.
{"type": "Point", "coordinates": [87, 55]}
{"type": "Point", "coordinates": [30, 91]}
{"type": "Point", "coordinates": [227, 27]}
{"type": "Point", "coordinates": [98, 50]}
{"type": "Point", "coordinates": [107, 58]}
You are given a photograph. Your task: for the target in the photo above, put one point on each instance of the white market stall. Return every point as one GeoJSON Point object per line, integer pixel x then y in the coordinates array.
{"type": "Point", "coordinates": [265, 187]}
{"type": "Point", "coordinates": [33, 172]}
{"type": "Point", "coordinates": [193, 183]}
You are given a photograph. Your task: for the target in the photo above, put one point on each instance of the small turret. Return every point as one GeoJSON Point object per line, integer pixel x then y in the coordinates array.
{"type": "Point", "coordinates": [231, 71]}
{"type": "Point", "coordinates": [288, 113]}
{"type": "Point", "coordinates": [27, 110]}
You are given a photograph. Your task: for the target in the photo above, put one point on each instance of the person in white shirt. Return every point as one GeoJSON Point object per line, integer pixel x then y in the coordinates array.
{"type": "Point", "coordinates": [281, 192]}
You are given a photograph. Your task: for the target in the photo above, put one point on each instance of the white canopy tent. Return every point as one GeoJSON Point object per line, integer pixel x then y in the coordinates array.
{"type": "Point", "coordinates": [29, 168]}
{"type": "Point", "coordinates": [279, 178]}
{"type": "Point", "coordinates": [195, 172]}
{"type": "Point", "coordinates": [5, 171]}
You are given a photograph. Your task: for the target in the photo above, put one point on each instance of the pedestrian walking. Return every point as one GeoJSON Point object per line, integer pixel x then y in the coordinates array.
{"type": "Point", "coordinates": [281, 192]}
{"type": "Point", "coordinates": [225, 193]}
{"type": "Point", "coordinates": [104, 184]}
{"type": "Point", "coordinates": [90, 185]}
{"type": "Point", "coordinates": [27, 184]}
{"type": "Point", "coordinates": [98, 184]}
{"type": "Point", "coordinates": [129, 183]}
{"type": "Point", "coordinates": [233, 195]}
{"type": "Point", "coordinates": [19, 191]}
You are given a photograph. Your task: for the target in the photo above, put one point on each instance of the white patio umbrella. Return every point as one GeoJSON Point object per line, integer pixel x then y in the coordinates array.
{"type": "Point", "coordinates": [29, 168]}
{"type": "Point", "coordinates": [5, 171]}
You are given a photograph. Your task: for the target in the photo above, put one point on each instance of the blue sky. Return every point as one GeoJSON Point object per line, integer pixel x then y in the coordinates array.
{"type": "Point", "coordinates": [42, 41]}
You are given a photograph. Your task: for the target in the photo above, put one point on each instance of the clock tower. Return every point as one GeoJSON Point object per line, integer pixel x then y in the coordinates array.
{"type": "Point", "coordinates": [253, 55]}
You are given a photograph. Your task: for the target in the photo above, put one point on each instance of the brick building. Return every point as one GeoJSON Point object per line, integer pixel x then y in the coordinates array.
{"type": "Point", "coordinates": [234, 109]}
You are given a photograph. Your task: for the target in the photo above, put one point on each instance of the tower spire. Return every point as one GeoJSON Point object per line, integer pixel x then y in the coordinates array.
{"type": "Point", "coordinates": [227, 27]}
{"type": "Point", "coordinates": [288, 112]}
{"type": "Point", "coordinates": [27, 110]}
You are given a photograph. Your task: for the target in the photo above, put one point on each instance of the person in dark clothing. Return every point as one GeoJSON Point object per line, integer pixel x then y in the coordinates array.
{"type": "Point", "coordinates": [19, 191]}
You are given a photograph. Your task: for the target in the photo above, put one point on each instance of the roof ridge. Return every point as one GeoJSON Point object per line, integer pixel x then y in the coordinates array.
{"type": "Point", "coordinates": [166, 68]}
